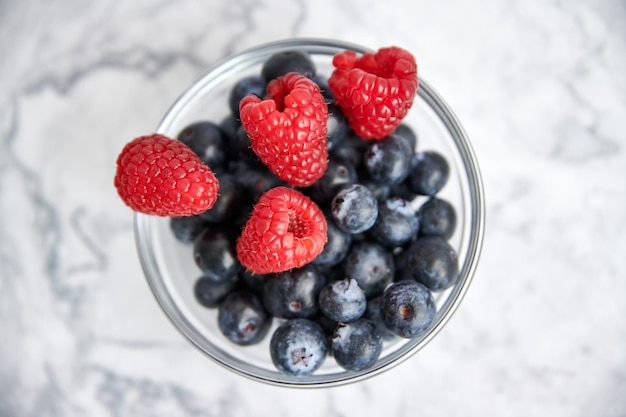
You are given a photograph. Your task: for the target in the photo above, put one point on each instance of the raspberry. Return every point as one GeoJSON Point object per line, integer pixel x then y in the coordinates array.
{"type": "Point", "coordinates": [286, 230]}
{"type": "Point", "coordinates": [376, 90]}
{"type": "Point", "coordinates": [164, 177]}
{"type": "Point", "coordinates": [287, 130]}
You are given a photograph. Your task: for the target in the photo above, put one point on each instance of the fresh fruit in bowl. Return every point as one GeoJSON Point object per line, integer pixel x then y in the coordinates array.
{"type": "Point", "coordinates": [319, 228]}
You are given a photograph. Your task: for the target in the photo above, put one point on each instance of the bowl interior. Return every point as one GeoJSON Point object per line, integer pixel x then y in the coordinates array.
{"type": "Point", "coordinates": [169, 265]}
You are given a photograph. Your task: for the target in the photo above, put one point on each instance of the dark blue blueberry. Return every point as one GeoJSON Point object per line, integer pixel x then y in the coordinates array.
{"type": "Point", "coordinates": [351, 149]}
{"type": "Point", "coordinates": [433, 262]}
{"type": "Point", "coordinates": [293, 293]}
{"type": "Point", "coordinates": [407, 308]}
{"type": "Point", "coordinates": [336, 247]}
{"type": "Point", "coordinates": [229, 127]}
{"type": "Point", "coordinates": [429, 173]}
{"type": "Point", "coordinates": [388, 160]}
{"type": "Point", "coordinates": [228, 200]}
{"type": "Point", "coordinates": [403, 191]}
{"type": "Point", "coordinates": [245, 87]}
{"type": "Point", "coordinates": [401, 263]}
{"type": "Point", "coordinates": [371, 265]}
{"type": "Point", "coordinates": [298, 347]}
{"type": "Point", "coordinates": [322, 82]}
{"type": "Point", "coordinates": [338, 127]}
{"type": "Point", "coordinates": [215, 255]}
{"type": "Point", "coordinates": [357, 345]}
{"type": "Point", "coordinates": [331, 272]}
{"type": "Point", "coordinates": [407, 133]}
{"type": "Point", "coordinates": [241, 149]}
{"type": "Point", "coordinates": [207, 141]}
{"type": "Point", "coordinates": [254, 180]}
{"type": "Point", "coordinates": [343, 300]}
{"type": "Point", "coordinates": [380, 191]}
{"type": "Point", "coordinates": [327, 325]}
{"type": "Point", "coordinates": [437, 218]}
{"type": "Point", "coordinates": [242, 318]}
{"type": "Point", "coordinates": [187, 228]}
{"type": "Point", "coordinates": [372, 313]}
{"type": "Point", "coordinates": [354, 209]}
{"type": "Point", "coordinates": [338, 174]}
{"type": "Point", "coordinates": [288, 61]}
{"type": "Point", "coordinates": [396, 224]}
{"type": "Point", "coordinates": [251, 281]}
{"type": "Point", "coordinates": [210, 293]}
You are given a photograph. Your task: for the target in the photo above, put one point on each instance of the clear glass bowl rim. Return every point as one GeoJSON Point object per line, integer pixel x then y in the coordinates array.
{"type": "Point", "coordinates": [466, 272]}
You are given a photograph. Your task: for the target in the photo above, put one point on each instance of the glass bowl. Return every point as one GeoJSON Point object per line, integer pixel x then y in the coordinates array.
{"type": "Point", "coordinates": [169, 265]}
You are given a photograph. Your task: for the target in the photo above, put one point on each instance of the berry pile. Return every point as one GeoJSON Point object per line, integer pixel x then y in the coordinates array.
{"type": "Point", "coordinates": [326, 218]}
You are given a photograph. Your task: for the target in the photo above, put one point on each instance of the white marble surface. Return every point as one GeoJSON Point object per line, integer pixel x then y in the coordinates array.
{"type": "Point", "coordinates": [539, 87]}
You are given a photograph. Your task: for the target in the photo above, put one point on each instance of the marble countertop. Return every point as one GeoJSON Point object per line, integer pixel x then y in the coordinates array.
{"type": "Point", "coordinates": [539, 87]}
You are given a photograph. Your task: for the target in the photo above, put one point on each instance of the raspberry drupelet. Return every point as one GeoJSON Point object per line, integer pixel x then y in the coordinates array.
{"type": "Point", "coordinates": [376, 90]}
{"type": "Point", "coordinates": [162, 176]}
{"type": "Point", "coordinates": [286, 230]}
{"type": "Point", "coordinates": [288, 128]}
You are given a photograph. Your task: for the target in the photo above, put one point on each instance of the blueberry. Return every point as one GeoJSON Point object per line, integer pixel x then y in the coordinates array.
{"type": "Point", "coordinates": [429, 173]}
{"type": "Point", "coordinates": [433, 262]}
{"type": "Point", "coordinates": [337, 126]}
{"type": "Point", "coordinates": [331, 272]}
{"type": "Point", "coordinates": [437, 218]}
{"type": "Point", "coordinates": [229, 126]}
{"type": "Point", "coordinates": [407, 308]}
{"type": "Point", "coordinates": [400, 260]}
{"type": "Point", "coordinates": [373, 313]}
{"type": "Point", "coordinates": [245, 87]}
{"type": "Point", "coordinates": [329, 326]}
{"type": "Point", "coordinates": [396, 224]}
{"type": "Point", "coordinates": [381, 191]}
{"type": "Point", "coordinates": [228, 201]}
{"type": "Point", "coordinates": [241, 148]}
{"type": "Point", "coordinates": [322, 82]}
{"type": "Point", "coordinates": [338, 174]}
{"type": "Point", "coordinates": [357, 345]}
{"type": "Point", "coordinates": [215, 255]}
{"type": "Point", "coordinates": [289, 61]}
{"type": "Point", "coordinates": [336, 247]}
{"type": "Point", "coordinates": [298, 347]}
{"type": "Point", "coordinates": [388, 160]}
{"type": "Point", "coordinates": [254, 180]}
{"type": "Point", "coordinates": [371, 265]}
{"type": "Point", "coordinates": [407, 133]}
{"type": "Point", "coordinates": [253, 282]}
{"type": "Point", "coordinates": [343, 300]}
{"type": "Point", "coordinates": [242, 318]}
{"type": "Point", "coordinates": [403, 191]}
{"type": "Point", "coordinates": [293, 293]}
{"type": "Point", "coordinates": [351, 149]}
{"type": "Point", "coordinates": [210, 293]}
{"type": "Point", "coordinates": [187, 228]}
{"type": "Point", "coordinates": [354, 208]}
{"type": "Point", "coordinates": [207, 141]}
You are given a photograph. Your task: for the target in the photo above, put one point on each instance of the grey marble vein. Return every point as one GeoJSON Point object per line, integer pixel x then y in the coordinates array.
{"type": "Point", "coordinates": [299, 19]}
{"type": "Point", "coordinates": [149, 62]}
{"type": "Point", "coordinates": [99, 258]}
{"type": "Point", "coordinates": [124, 396]}
{"type": "Point", "coordinates": [241, 12]}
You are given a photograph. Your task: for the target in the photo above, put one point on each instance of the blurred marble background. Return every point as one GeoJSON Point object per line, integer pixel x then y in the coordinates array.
{"type": "Point", "coordinates": [541, 91]}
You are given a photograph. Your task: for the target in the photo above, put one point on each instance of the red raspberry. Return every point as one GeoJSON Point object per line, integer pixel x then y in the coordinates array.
{"type": "Point", "coordinates": [288, 129]}
{"type": "Point", "coordinates": [162, 176]}
{"type": "Point", "coordinates": [286, 230]}
{"type": "Point", "coordinates": [374, 91]}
